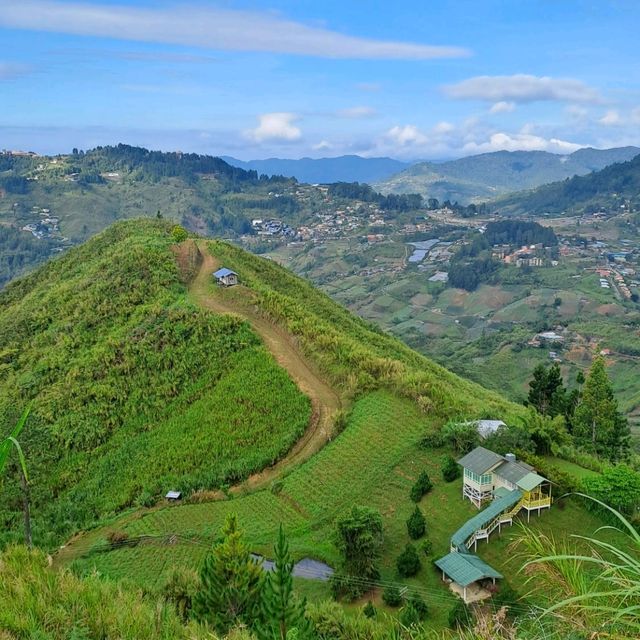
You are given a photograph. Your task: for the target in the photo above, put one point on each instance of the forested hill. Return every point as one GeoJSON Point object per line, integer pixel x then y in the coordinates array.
{"type": "Point", "coordinates": [614, 187]}
{"type": "Point", "coordinates": [488, 175]}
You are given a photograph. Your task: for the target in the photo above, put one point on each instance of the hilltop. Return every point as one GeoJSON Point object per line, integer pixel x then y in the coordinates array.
{"type": "Point", "coordinates": [489, 175]}
{"type": "Point", "coordinates": [138, 388]}
{"type": "Point", "coordinates": [614, 189]}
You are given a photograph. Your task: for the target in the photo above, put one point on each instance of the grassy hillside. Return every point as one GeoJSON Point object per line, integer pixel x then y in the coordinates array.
{"type": "Point", "coordinates": [39, 602]}
{"type": "Point", "coordinates": [615, 186]}
{"type": "Point", "coordinates": [488, 175]}
{"type": "Point", "coordinates": [135, 389]}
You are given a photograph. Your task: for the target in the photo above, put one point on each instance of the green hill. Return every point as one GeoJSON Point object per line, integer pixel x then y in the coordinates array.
{"type": "Point", "coordinates": [488, 175]}
{"type": "Point", "coordinates": [138, 390]}
{"type": "Point", "coordinates": [615, 186]}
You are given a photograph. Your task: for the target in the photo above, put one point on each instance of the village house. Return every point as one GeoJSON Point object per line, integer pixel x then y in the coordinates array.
{"type": "Point", "coordinates": [226, 277]}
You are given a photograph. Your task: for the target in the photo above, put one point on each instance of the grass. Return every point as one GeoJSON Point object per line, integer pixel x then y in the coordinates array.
{"type": "Point", "coordinates": [373, 462]}
{"type": "Point", "coordinates": [135, 390]}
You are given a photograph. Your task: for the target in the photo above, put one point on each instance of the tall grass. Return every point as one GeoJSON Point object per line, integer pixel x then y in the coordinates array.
{"type": "Point", "coordinates": [592, 587]}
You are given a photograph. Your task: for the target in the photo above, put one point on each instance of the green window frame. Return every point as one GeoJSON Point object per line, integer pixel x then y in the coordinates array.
{"type": "Point", "coordinates": [485, 478]}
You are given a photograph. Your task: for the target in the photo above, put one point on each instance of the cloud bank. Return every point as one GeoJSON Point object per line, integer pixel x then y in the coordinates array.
{"type": "Point", "coordinates": [522, 88]}
{"type": "Point", "coordinates": [208, 27]}
{"type": "Point", "coordinates": [276, 126]}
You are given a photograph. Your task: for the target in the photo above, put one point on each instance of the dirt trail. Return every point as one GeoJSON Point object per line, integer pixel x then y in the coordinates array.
{"type": "Point", "coordinates": [325, 402]}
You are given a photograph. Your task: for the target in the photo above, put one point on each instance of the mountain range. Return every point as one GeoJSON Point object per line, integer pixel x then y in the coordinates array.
{"type": "Point", "coordinates": [348, 168]}
{"type": "Point", "coordinates": [488, 175]}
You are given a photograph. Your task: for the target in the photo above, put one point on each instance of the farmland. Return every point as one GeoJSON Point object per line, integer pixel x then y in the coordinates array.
{"type": "Point", "coordinates": [135, 389]}
{"type": "Point", "coordinates": [374, 461]}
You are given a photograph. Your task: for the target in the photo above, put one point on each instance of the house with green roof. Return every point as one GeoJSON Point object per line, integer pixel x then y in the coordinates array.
{"type": "Point", "coordinates": [488, 475]}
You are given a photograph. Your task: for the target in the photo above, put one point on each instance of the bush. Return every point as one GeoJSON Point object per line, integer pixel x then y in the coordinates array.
{"type": "Point", "coordinates": [450, 469]}
{"type": "Point", "coordinates": [419, 606]}
{"type": "Point", "coordinates": [506, 596]}
{"type": "Point", "coordinates": [416, 524]}
{"type": "Point", "coordinates": [179, 234]}
{"type": "Point", "coordinates": [391, 596]}
{"type": "Point", "coordinates": [408, 562]}
{"type": "Point", "coordinates": [369, 610]}
{"type": "Point", "coordinates": [459, 615]}
{"type": "Point", "coordinates": [426, 546]}
{"type": "Point", "coordinates": [409, 616]}
{"type": "Point", "coordinates": [422, 486]}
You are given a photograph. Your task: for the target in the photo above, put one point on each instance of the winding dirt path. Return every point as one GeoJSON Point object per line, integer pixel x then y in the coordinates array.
{"type": "Point", "coordinates": [325, 402]}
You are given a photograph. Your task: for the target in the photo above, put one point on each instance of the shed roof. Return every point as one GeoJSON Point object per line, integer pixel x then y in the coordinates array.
{"type": "Point", "coordinates": [459, 538]}
{"type": "Point", "coordinates": [221, 273]}
{"type": "Point", "coordinates": [480, 460]}
{"type": "Point", "coordinates": [530, 481]}
{"type": "Point", "coordinates": [173, 495]}
{"type": "Point", "coordinates": [487, 427]}
{"type": "Point", "coordinates": [466, 568]}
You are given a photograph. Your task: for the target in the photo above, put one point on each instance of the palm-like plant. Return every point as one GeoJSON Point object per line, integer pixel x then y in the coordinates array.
{"type": "Point", "coordinates": [6, 445]}
{"type": "Point", "coordinates": [596, 591]}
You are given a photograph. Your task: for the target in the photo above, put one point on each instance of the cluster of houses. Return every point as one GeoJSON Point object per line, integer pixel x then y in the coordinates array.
{"type": "Point", "coordinates": [501, 487]}
{"type": "Point", "coordinates": [526, 256]}
{"type": "Point", "coordinates": [272, 227]}
{"type": "Point", "coordinates": [46, 227]}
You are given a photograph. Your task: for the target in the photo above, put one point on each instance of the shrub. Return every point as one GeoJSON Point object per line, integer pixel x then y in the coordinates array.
{"type": "Point", "coordinates": [506, 596]}
{"type": "Point", "coordinates": [422, 486]}
{"type": "Point", "coordinates": [408, 562]}
{"type": "Point", "coordinates": [409, 616]}
{"type": "Point", "coordinates": [178, 589]}
{"type": "Point", "coordinates": [369, 610]}
{"type": "Point", "coordinates": [145, 499]}
{"type": "Point", "coordinates": [391, 596]}
{"type": "Point", "coordinates": [416, 524]}
{"type": "Point", "coordinates": [450, 469]}
{"type": "Point", "coordinates": [459, 615]}
{"type": "Point", "coordinates": [426, 546]}
{"type": "Point", "coordinates": [179, 234]}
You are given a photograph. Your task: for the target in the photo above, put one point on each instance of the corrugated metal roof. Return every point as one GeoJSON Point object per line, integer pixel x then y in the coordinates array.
{"type": "Point", "coordinates": [530, 481]}
{"type": "Point", "coordinates": [465, 568]}
{"type": "Point", "coordinates": [221, 273]}
{"type": "Point", "coordinates": [512, 471]}
{"type": "Point", "coordinates": [480, 460]}
{"type": "Point", "coordinates": [484, 517]}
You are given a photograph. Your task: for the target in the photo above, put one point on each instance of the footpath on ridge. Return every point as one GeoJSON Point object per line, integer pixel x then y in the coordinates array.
{"type": "Point", "coordinates": [325, 402]}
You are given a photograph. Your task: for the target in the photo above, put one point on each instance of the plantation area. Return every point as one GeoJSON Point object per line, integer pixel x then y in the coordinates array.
{"type": "Point", "coordinates": [135, 390]}
{"type": "Point", "coordinates": [373, 462]}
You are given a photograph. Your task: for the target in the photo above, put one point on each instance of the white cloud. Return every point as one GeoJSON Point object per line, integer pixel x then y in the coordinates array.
{"type": "Point", "coordinates": [10, 70]}
{"type": "Point", "coordinates": [323, 145]}
{"type": "Point", "coordinates": [356, 112]}
{"type": "Point", "coordinates": [611, 118]}
{"type": "Point", "coordinates": [635, 115]}
{"type": "Point", "coordinates": [276, 126]}
{"type": "Point", "coordinates": [520, 142]}
{"type": "Point", "coordinates": [502, 107]}
{"type": "Point", "coordinates": [443, 127]}
{"type": "Point", "coordinates": [522, 88]}
{"type": "Point", "coordinates": [407, 136]}
{"type": "Point", "coordinates": [208, 27]}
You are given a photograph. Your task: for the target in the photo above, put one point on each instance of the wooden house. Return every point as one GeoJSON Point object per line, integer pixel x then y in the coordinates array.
{"type": "Point", "coordinates": [226, 277]}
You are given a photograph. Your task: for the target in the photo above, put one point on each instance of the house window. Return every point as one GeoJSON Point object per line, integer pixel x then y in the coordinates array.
{"type": "Point", "coordinates": [485, 478]}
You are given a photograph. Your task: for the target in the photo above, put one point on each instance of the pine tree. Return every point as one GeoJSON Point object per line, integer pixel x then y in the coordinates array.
{"type": "Point", "coordinates": [597, 424]}
{"type": "Point", "coordinates": [281, 612]}
{"type": "Point", "coordinates": [546, 391]}
{"type": "Point", "coordinates": [231, 583]}
{"type": "Point", "coordinates": [416, 524]}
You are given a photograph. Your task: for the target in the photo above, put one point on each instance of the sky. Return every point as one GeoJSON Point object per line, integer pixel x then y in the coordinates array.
{"type": "Point", "coordinates": [427, 79]}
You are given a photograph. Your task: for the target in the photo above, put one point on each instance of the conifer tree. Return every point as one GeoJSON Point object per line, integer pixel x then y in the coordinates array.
{"type": "Point", "coordinates": [231, 583]}
{"type": "Point", "coordinates": [597, 424]}
{"type": "Point", "coordinates": [546, 391]}
{"type": "Point", "coordinates": [281, 611]}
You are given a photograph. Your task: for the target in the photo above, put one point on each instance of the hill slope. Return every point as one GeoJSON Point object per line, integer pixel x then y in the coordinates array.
{"type": "Point", "coordinates": [606, 190]}
{"type": "Point", "coordinates": [488, 175]}
{"type": "Point", "coordinates": [325, 170]}
{"type": "Point", "coordinates": [137, 390]}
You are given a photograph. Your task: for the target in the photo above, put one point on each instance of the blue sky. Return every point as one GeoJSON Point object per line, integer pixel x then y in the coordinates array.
{"type": "Point", "coordinates": [413, 79]}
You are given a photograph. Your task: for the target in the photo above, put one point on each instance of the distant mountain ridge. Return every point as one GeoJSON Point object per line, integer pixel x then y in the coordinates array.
{"type": "Point", "coordinates": [349, 168]}
{"type": "Point", "coordinates": [615, 186]}
{"type": "Point", "coordinates": [489, 175]}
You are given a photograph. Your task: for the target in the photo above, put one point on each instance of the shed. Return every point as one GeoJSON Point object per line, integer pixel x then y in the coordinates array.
{"type": "Point", "coordinates": [173, 495]}
{"type": "Point", "coordinates": [226, 277]}
{"type": "Point", "coordinates": [487, 427]}
{"type": "Point", "coordinates": [465, 568]}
